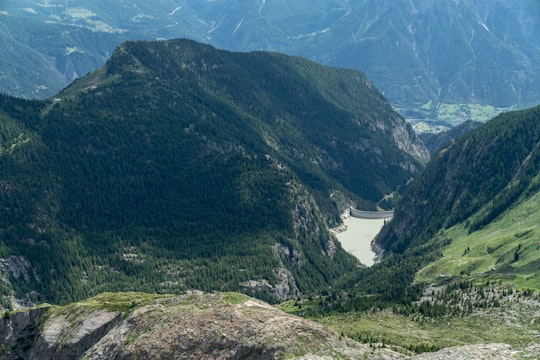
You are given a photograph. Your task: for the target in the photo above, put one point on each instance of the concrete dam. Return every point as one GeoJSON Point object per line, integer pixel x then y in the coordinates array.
{"type": "Point", "coordinates": [371, 215]}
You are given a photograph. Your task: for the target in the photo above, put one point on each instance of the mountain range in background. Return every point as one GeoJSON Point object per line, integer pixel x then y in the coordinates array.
{"type": "Point", "coordinates": [444, 60]}
{"type": "Point", "coordinates": [177, 167]}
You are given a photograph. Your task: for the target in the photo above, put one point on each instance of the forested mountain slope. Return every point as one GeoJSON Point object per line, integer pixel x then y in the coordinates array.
{"type": "Point", "coordinates": [461, 255]}
{"type": "Point", "coordinates": [479, 196]}
{"type": "Point", "coordinates": [178, 166]}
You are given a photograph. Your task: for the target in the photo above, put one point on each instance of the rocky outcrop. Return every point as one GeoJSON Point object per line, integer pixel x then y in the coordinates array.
{"type": "Point", "coordinates": [408, 141]}
{"type": "Point", "coordinates": [222, 326]}
{"type": "Point", "coordinates": [18, 331]}
{"type": "Point", "coordinates": [67, 334]}
{"type": "Point", "coordinates": [18, 269]}
{"type": "Point", "coordinates": [190, 326]}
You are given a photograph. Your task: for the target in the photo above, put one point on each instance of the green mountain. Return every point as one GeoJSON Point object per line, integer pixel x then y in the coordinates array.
{"type": "Point", "coordinates": [477, 203]}
{"type": "Point", "coordinates": [461, 256]}
{"type": "Point", "coordinates": [428, 58]}
{"type": "Point", "coordinates": [179, 166]}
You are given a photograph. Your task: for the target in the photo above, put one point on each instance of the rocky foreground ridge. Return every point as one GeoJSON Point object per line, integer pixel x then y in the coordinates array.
{"type": "Point", "coordinates": [191, 326]}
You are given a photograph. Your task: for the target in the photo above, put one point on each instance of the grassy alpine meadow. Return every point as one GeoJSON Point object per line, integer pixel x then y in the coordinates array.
{"type": "Point", "coordinates": [507, 250]}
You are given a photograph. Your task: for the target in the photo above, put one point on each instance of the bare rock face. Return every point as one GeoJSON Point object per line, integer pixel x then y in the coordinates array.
{"type": "Point", "coordinates": [221, 326]}
{"type": "Point", "coordinates": [18, 331]}
{"type": "Point", "coordinates": [406, 139]}
{"type": "Point", "coordinates": [67, 334]}
{"type": "Point", "coordinates": [192, 326]}
{"type": "Point", "coordinates": [19, 269]}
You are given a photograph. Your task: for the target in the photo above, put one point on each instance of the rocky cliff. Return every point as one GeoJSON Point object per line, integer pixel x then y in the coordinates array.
{"type": "Point", "coordinates": [190, 326]}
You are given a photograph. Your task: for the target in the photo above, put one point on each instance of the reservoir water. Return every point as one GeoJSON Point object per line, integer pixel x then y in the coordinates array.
{"type": "Point", "coordinates": [358, 236]}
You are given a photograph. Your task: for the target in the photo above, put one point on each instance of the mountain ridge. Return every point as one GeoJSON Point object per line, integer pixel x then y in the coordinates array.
{"type": "Point", "coordinates": [179, 166]}
{"type": "Point", "coordinates": [488, 175]}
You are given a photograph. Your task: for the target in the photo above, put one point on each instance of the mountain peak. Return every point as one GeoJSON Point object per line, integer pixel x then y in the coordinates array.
{"type": "Point", "coordinates": [185, 163]}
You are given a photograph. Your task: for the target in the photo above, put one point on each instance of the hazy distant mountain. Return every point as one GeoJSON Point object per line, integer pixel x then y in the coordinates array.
{"type": "Point", "coordinates": [179, 166]}
{"type": "Point", "coordinates": [40, 58]}
{"type": "Point", "coordinates": [436, 141]}
{"type": "Point", "coordinates": [419, 53]}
